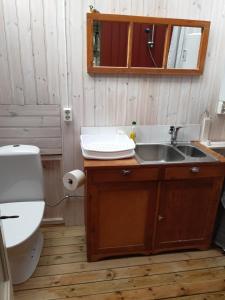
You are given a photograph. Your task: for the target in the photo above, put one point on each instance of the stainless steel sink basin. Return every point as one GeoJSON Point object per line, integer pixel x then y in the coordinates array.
{"type": "Point", "coordinates": [166, 153]}
{"type": "Point", "coordinates": [219, 150]}
{"type": "Point", "coordinates": [191, 151]}
{"type": "Point", "coordinates": [157, 153]}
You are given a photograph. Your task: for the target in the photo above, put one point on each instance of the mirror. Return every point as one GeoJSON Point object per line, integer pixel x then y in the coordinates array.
{"type": "Point", "coordinates": [184, 47]}
{"type": "Point", "coordinates": [145, 45]}
{"type": "Point", "coordinates": [110, 43]}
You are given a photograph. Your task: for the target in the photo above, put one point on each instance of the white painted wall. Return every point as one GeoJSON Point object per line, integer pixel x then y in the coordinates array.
{"type": "Point", "coordinates": [43, 65]}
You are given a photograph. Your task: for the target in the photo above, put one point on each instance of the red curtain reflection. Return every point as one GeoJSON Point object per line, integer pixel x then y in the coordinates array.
{"type": "Point", "coordinates": [113, 45]}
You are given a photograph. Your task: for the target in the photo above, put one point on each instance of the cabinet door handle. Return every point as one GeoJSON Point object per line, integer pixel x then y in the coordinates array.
{"type": "Point", "coordinates": [125, 172]}
{"type": "Point", "coordinates": [195, 170]}
{"type": "Point", "coordinates": [160, 218]}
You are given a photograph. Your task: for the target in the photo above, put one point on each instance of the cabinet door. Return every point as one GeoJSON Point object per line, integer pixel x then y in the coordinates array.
{"type": "Point", "coordinates": [122, 218]}
{"type": "Point", "coordinates": [186, 213]}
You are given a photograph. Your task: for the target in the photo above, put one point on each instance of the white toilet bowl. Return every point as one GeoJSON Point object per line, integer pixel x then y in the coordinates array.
{"type": "Point", "coordinates": [21, 195]}
{"type": "Point", "coordinates": [23, 239]}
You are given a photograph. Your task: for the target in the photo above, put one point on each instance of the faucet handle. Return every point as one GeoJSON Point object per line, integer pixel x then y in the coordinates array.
{"type": "Point", "coordinates": [171, 129]}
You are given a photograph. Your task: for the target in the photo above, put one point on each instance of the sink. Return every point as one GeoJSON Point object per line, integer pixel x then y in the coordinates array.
{"type": "Point", "coordinates": [219, 150]}
{"type": "Point", "coordinates": [157, 153]}
{"type": "Point", "coordinates": [191, 151]}
{"type": "Point", "coordinates": [218, 147]}
{"type": "Point", "coordinates": [166, 153]}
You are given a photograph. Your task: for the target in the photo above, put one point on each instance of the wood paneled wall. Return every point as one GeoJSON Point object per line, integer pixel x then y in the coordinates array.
{"type": "Point", "coordinates": [32, 72]}
{"type": "Point", "coordinates": [31, 124]}
{"type": "Point", "coordinates": [43, 66]}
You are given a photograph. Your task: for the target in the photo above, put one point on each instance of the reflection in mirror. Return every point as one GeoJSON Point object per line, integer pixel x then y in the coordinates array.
{"type": "Point", "coordinates": [221, 104]}
{"type": "Point", "coordinates": [184, 47]}
{"type": "Point", "coordinates": [222, 89]}
{"type": "Point", "coordinates": [148, 45]}
{"type": "Point", "coordinates": [110, 43]}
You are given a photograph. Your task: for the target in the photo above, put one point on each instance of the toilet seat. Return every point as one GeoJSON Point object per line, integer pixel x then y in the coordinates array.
{"type": "Point", "coordinates": [18, 230]}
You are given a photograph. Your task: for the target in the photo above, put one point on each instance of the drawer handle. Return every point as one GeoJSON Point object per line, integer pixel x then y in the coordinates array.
{"type": "Point", "coordinates": [125, 172]}
{"type": "Point", "coordinates": [195, 170]}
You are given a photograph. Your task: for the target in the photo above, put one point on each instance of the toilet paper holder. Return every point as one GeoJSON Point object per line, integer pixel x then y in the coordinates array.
{"type": "Point", "coordinates": [78, 179]}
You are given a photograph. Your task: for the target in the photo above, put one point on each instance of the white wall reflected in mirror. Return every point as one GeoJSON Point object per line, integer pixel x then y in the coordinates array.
{"type": "Point", "coordinates": [221, 104]}
{"type": "Point", "coordinates": [184, 47]}
{"type": "Point", "coordinates": [222, 89]}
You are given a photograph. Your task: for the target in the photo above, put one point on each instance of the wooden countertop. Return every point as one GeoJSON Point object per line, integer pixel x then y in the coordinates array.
{"type": "Point", "coordinates": [91, 163]}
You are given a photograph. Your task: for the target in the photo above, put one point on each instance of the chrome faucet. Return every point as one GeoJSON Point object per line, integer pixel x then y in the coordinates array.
{"type": "Point", "coordinates": [173, 132]}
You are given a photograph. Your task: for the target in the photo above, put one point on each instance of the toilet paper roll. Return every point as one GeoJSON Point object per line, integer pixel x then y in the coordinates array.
{"type": "Point", "coordinates": [74, 179]}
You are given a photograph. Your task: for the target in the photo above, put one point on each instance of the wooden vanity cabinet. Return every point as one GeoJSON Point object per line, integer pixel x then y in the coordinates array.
{"type": "Point", "coordinates": [120, 211]}
{"type": "Point", "coordinates": [143, 210]}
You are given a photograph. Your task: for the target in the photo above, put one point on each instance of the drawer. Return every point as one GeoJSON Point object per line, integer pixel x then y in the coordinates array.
{"type": "Point", "coordinates": [125, 175]}
{"type": "Point", "coordinates": [194, 171]}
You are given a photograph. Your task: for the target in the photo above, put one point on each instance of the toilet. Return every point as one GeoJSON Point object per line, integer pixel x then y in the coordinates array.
{"type": "Point", "coordinates": [22, 200]}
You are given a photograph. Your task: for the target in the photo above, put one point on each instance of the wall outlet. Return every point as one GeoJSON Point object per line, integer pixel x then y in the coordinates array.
{"type": "Point", "coordinates": [67, 114]}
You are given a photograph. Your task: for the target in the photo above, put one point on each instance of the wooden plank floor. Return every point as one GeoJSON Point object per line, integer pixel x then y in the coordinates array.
{"type": "Point", "coordinates": [63, 273]}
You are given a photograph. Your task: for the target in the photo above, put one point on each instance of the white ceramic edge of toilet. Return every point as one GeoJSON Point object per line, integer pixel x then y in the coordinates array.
{"type": "Point", "coordinates": [24, 256]}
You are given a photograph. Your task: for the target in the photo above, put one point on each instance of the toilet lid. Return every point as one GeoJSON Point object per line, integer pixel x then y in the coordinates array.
{"type": "Point", "coordinates": [17, 230]}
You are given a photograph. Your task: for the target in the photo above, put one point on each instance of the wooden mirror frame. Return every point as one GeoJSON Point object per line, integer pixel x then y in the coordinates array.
{"type": "Point", "coordinates": [91, 17]}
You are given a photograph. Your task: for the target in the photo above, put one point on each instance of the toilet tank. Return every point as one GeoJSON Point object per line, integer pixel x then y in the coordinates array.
{"type": "Point", "coordinates": [21, 177]}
